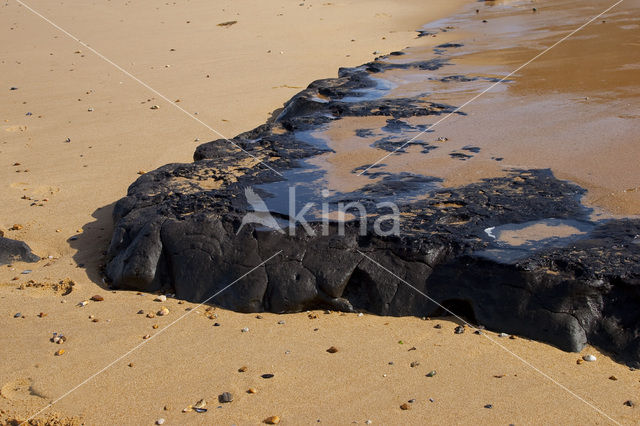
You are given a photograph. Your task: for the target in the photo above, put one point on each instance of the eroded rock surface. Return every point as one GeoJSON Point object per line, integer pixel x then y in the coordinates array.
{"type": "Point", "coordinates": [180, 229]}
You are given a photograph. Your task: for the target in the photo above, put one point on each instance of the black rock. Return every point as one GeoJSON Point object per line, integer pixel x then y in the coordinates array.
{"type": "Point", "coordinates": [15, 251]}
{"type": "Point", "coordinates": [180, 230]}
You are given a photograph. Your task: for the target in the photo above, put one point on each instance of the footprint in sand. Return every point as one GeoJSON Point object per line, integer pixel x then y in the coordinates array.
{"type": "Point", "coordinates": [20, 390]}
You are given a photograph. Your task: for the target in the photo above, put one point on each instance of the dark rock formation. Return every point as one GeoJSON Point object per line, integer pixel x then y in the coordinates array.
{"type": "Point", "coordinates": [15, 251]}
{"type": "Point", "coordinates": [180, 229]}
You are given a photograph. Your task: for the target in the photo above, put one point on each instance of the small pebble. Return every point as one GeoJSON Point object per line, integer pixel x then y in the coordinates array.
{"type": "Point", "coordinates": [332, 350]}
{"type": "Point", "coordinates": [140, 312]}
{"type": "Point", "coordinates": [614, 378]}
{"type": "Point", "coordinates": [200, 404]}
{"type": "Point", "coordinates": [59, 352]}
{"type": "Point", "coordinates": [437, 326]}
{"type": "Point", "coordinates": [589, 358]}
{"type": "Point", "coordinates": [17, 315]}
{"type": "Point", "coordinates": [252, 390]}
{"type": "Point", "coordinates": [281, 322]}
{"type": "Point", "coordinates": [629, 403]}
{"type": "Point", "coordinates": [488, 406]}
{"type": "Point", "coordinates": [368, 422]}
{"type": "Point", "coordinates": [267, 376]}
{"type": "Point", "coordinates": [155, 107]}
{"type": "Point", "coordinates": [216, 324]}
{"type": "Point", "coordinates": [242, 369]}
{"type": "Point", "coordinates": [503, 335]}
{"type": "Point", "coordinates": [245, 330]}
{"type": "Point", "coordinates": [130, 364]}
{"type": "Point", "coordinates": [160, 421]}
{"type": "Point", "coordinates": [411, 401]}
{"type": "Point", "coordinates": [477, 332]}
{"type": "Point", "coordinates": [405, 406]}
{"type": "Point", "coordinates": [163, 311]}
{"type": "Point", "coordinates": [146, 336]}
{"type": "Point", "coordinates": [161, 298]}
{"type": "Point", "coordinates": [83, 303]}
{"type": "Point", "coordinates": [431, 373]}
{"type": "Point", "coordinates": [272, 420]}
{"type": "Point", "coordinates": [414, 364]}
{"type": "Point", "coordinates": [459, 329]}
{"type": "Point", "coordinates": [225, 397]}
{"type": "Point", "coordinates": [97, 298]}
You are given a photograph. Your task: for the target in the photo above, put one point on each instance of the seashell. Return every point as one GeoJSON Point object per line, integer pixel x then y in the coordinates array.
{"type": "Point", "coordinates": [589, 358]}
{"type": "Point", "coordinates": [200, 404]}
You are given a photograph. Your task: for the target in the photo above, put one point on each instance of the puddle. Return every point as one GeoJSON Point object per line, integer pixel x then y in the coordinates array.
{"type": "Point", "coordinates": [513, 241]}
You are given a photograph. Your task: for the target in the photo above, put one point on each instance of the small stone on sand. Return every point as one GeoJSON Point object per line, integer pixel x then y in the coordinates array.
{"type": "Point", "coordinates": [589, 358]}
{"type": "Point", "coordinates": [97, 298]}
{"type": "Point", "coordinates": [225, 397]}
{"type": "Point", "coordinates": [332, 350]}
{"type": "Point", "coordinates": [405, 406]}
{"type": "Point", "coordinates": [273, 420]}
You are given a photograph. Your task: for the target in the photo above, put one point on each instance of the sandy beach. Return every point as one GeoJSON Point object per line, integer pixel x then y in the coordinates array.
{"type": "Point", "coordinates": [76, 131]}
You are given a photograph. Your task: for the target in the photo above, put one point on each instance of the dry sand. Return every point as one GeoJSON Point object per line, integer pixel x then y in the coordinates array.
{"type": "Point", "coordinates": [234, 77]}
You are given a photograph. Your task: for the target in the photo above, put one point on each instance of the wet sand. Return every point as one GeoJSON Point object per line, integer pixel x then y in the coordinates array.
{"type": "Point", "coordinates": [59, 83]}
